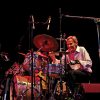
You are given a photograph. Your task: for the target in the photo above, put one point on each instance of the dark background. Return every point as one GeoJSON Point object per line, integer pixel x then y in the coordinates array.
{"type": "Point", "coordinates": [15, 31]}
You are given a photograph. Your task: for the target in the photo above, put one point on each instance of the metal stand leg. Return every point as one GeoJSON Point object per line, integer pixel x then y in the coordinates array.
{"type": "Point", "coordinates": [7, 89]}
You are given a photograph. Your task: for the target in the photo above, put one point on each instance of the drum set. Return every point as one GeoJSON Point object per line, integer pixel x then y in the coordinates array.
{"type": "Point", "coordinates": [44, 73]}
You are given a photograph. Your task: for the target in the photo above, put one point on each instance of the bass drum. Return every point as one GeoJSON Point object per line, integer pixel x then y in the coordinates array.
{"type": "Point", "coordinates": [20, 88]}
{"type": "Point", "coordinates": [54, 70]}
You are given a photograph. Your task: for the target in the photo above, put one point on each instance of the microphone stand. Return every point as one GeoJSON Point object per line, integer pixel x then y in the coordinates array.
{"type": "Point", "coordinates": [31, 30]}
{"type": "Point", "coordinates": [98, 34]}
{"type": "Point", "coordinates": [60, 51]}
{"type": "Point", "coordinates": [41, 79]}
{"type": "Point", "coordinates": [96, 21]}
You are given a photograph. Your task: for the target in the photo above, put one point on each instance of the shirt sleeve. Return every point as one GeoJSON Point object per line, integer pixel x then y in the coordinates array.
{"type": "Point", "coordinates": [86, 61]}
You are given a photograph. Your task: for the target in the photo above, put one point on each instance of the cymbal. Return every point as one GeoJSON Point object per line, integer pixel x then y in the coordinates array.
{"type": "Point", "coordinates": [60, 39]}
{"type": "Point", "coordinates": [45, 42]}
{"type": "Point", "coordinates": [60, 52]}
{"type": "Point", "coordinates": [23, 54]}
{"type": "Point", "coordinates": [38, 53]}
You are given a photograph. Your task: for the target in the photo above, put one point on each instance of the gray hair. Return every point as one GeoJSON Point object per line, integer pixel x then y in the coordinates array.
{"type": "Point", "coordinates": [72, 37]}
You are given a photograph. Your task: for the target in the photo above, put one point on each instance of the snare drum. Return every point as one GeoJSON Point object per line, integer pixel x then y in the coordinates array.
{"type": "Point", "coordinates": [54, 70]}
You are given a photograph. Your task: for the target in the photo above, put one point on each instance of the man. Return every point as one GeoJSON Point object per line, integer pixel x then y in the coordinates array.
{"type": "Point", "coordinates": [78, 60]}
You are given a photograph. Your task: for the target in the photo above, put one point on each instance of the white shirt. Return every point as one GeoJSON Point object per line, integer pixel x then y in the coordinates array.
{"type": "Point", "coordinates": [82, 56]}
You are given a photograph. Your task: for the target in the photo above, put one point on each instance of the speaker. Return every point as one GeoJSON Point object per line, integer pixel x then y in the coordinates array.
{"type": "Point", "coordinates": [91, 90]}
{"type": "Point", "coordinates": [91, 87]}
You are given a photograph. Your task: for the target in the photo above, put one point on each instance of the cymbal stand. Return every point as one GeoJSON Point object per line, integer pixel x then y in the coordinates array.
{"type": "Point", "coordinates": [50, 83]}
{"type": "Point", "coordinates": [61, 88]}
{"type": "Point", "coordinates": [66, 67]}
{"type": "Point", "coordinates": [61, 67]}
{"type": "Point", "coordinates": [64, 47]}
{"type": "Point", "coordinates": [31, 31]}
{"type": "Point", "coordinates": [41, 79]}
{"type": "Point", "coordinates": [60, 17]}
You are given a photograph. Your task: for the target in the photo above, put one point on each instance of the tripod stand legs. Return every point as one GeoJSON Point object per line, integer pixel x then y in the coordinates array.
{"type": "Point", "coordinates": [59, 90]}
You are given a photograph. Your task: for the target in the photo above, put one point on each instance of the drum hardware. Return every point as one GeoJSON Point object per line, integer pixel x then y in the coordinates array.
{"type": "Point", "coordinates": [63, 53]}
{"type": "Point", "coordinates": [51, 89]}
{"type": "Point", "coordinates": [30, 63]}
{"type": "Point", "coordinates": [66, 69]}
{"type": "Point", "coordinates": [6, 89]}
{"type": "Point", "coordinates": [23, 54]}
{"type": "Point", "coordinates": [38, 70]}
{"type": "Point", "coordinates": [47, 43]}
{"type": "Point", "coordinates": [39, 65]}
{"type": "Point", "coordinates": [46, 80]}
{"type": "Point", "coordinates": [14, 70]}
{"type": "Point", "coordinates": [24, 93]}
{"type": "Point", "coordinates": [31, 31]}
{"type": "Point", "coordinates": [53, 71]}
{"type": "Point", "coordinates": [61, 85]}
{"type": "Point", "coordinates": [39, 74]}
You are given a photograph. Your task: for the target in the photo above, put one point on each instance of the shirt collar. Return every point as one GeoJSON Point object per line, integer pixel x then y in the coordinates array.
{"type": "Point", "coordinates": [77, 49]}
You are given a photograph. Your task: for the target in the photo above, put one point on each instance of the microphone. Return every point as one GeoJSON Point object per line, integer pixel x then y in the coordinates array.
{"type": "Point", "coordinates": [49, 20]}
{"type": "Point", "coordinates": [33, 22]}
{"type": "Point", "coordinates": [4, 56]}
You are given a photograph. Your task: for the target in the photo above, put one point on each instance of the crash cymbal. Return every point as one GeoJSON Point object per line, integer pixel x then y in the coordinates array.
{"type": "Point", "coordinates": [45, 42]}
{"type": "Point", "coordinates": [23, 54]}
{"type": "Point", "coordinates": [57, 53]}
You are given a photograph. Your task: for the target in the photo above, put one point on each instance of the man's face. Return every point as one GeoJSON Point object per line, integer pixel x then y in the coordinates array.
{"type": "Point", "coordinates": [71, 45]}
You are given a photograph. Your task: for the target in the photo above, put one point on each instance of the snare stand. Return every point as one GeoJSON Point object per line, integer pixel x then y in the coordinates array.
{"type": "Point", "coordinates": [50, 83]}
{"type": "Point", "coordinates": [66, 67]}
{"type": "Point", "coordinates": [60, 20]}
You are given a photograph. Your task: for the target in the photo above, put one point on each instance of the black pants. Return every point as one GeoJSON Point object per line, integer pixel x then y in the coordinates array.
{"type": "Point", "coordinates": [76, 76]}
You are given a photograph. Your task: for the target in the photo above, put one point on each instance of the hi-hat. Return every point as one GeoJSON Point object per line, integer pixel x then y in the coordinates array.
{"type": "Point", "coordinates": [61, 39]}
{"type": "Point", "coordinates": [45, 42]}
{"type": "Point", "coordinates": [57, 53]}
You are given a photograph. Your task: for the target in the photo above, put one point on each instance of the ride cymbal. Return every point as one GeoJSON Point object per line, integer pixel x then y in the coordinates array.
{"type": "Point", "coordinates": [45, 42]}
